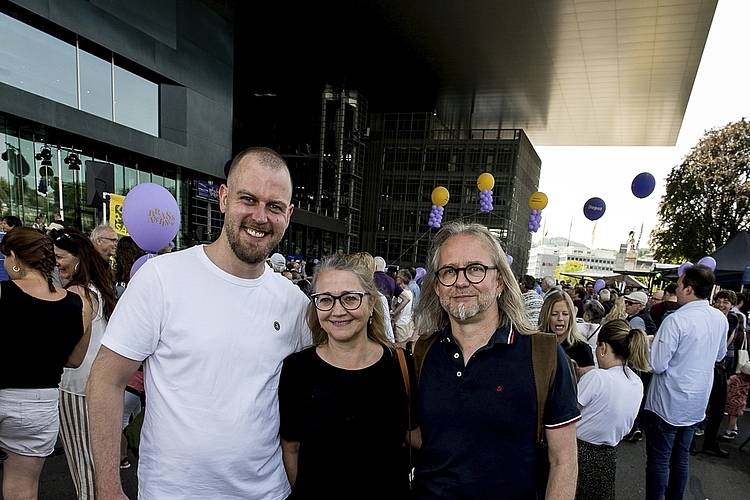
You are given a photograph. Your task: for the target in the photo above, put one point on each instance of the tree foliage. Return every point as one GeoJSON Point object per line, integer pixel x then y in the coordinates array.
{"type": "Point", "coordinates": [571, 266]}
{"type": "Point", "coordinates": [706, 200]}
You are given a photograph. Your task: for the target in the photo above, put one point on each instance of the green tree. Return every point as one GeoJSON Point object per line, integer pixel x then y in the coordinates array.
{"type": "Point", "coordinates": [571, 266]}
{"type": "Point", "coordinates": [706, 199]}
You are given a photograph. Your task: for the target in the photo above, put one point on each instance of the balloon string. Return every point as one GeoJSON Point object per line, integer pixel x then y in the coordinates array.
{"type": "Point", "coordinates": [459, 218]}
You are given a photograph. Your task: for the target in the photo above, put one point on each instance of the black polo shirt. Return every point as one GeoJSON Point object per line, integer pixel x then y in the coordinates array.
{"type": "Point", "coordinates": [479, 420]}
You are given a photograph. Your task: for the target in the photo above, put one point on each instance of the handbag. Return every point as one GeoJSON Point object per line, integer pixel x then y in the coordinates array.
{"type": "Point", "coordinates": [742, 355]}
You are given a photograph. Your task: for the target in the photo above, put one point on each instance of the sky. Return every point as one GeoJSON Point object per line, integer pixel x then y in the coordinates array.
{"type": "Point", "coordinates": [572, 175]}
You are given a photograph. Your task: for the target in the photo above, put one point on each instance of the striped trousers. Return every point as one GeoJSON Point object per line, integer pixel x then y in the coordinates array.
{"type": "Point", "coordinates": [74, 433]}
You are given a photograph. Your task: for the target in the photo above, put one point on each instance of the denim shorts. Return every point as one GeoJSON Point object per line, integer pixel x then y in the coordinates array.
{"type": "Point", "coordinates": [29, 421]}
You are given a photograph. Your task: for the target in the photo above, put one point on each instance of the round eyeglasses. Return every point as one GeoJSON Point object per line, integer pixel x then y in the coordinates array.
{"type": "Point", "coordinates": [349, 300]}
{"type": "Point", "coordinates": [474, 274]}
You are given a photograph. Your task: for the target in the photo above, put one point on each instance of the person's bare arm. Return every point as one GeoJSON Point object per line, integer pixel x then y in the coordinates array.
{"type": "Point", "coordinates": [110, 374]}
{"type": "Point", "coordinates": [79, 351]}
{"type": "Point", "coordinates": [402, 303]}
{"type": "Point", "coordinates": [563, 461]}
{"type": "Point", "coordinates": [290, 455]}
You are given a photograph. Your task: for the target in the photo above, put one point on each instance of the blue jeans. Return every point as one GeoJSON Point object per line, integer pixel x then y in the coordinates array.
{"type": "Point", "coordinates": [667, 455]}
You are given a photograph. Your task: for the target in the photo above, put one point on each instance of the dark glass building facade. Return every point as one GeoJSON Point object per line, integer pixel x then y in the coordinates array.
{"type": "Point", "coordinates": [412, 153]}
{"type": "Point", "coordinates": [144, 86]}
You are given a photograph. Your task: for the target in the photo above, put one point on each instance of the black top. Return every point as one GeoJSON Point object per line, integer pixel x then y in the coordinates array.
{"type": "Point", "coordinates": [659, 309]}
{"type": "Point", "coordinates": [580, 352]}
{"type": "Point", "coordinates": [37, 337]}
{"type": "Point", "coordinates": [350, 424]}
{"type": "Point", "coordinates": [479, 419]}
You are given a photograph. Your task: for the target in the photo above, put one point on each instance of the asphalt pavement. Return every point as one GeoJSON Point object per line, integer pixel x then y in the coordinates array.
{"type": "Point", "coordinates": [711, 478]}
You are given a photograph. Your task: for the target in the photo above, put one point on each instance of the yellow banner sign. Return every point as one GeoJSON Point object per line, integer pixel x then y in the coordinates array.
{"type": "Point", "coordinates": [115, 214]}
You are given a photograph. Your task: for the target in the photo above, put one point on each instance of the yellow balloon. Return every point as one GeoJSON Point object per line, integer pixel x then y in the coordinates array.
{"type": "Point", "coordinates": [538, 201]}
{"type": "Point", "coordinates": [440, 196]}
{"type": "Point", "coordinates": [485, 181]}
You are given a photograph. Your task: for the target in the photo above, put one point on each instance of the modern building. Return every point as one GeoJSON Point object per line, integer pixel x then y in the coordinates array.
{"type": "Point", "coordinates": [145, 86]}
{"type": "Point", "coordinates": [167, 91]}
{"type": "Point", "coordinates": [413, 153]}
{"type": "Point", "coordinates": [544, 259]}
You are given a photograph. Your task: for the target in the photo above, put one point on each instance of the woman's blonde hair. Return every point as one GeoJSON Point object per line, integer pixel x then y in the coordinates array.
{"type": "Point", "coordinates": [617, 312]}
{"type": "Point", "coordinates": [357, 264]}
{"type": "Point", "coordinates": [430, 317]}
{"type": "Point", "coordinates": [628, 344]}
{"type": "Point", "coordinates": [545, 317]}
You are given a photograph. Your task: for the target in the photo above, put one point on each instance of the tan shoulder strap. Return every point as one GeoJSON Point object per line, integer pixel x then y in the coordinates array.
{"type": "Point", "coordinates": [419, 351]}
{"type": "Point", "coordinates": [544, 360]}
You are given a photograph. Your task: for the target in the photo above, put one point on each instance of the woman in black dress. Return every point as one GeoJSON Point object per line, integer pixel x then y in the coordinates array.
{"type": "Point", "coordinates": [343, 401]}
{"type": "Point", "coordinates": [558, 316]}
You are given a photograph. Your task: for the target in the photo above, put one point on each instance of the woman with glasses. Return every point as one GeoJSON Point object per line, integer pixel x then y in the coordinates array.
{"type": "Point", "coordinates": [558, 316]}
{"type": "Point", "coordinates": [43, 332]}
{"type": "Point", "coordinates": [84, 272]}
{"type": "Point", "coordinates": [345, 413]}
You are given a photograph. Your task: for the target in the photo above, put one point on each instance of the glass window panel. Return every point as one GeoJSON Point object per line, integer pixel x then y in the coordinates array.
{"type": "Point", "coordinates": [119, 179]}
{"type": "Point", "coordinates": [131, 179]}
{"type": "Point", "coordinates": [143, 177]}
{"type": "Point", "coordinates": [136, 102]}
{"type": "Point", "coordinates": [96, 85]}
{"type": "Point", "coordinates": [37, 62]}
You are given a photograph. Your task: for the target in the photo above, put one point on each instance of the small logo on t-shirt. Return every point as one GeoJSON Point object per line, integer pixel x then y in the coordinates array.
{"type": "Point", "coordinates": [276, 325]}
{"type": "Point", "coordinates": [499, 388]}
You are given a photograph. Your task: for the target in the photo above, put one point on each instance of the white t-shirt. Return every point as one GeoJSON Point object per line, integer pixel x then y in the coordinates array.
{"type": "Point", "coordinates": [404, 316]}
{"type": "Point", "coordinates": [610, 402]}
{"type": "Point", "coordinates": [74, 379]}
{"type": "Point", "coordinates": [387, 316]}
{"type": "Point", "coordinates": [213, 345]}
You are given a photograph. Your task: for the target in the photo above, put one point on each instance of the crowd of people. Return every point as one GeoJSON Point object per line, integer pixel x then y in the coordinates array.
{"type": "Point", "coordinates": [344, 377]}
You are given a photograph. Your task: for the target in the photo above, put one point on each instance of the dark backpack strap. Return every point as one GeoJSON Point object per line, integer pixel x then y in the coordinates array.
{"type": "Point", "coordinates": [419, 351]}
{"type": "Point", "coordinates": [544, 360]}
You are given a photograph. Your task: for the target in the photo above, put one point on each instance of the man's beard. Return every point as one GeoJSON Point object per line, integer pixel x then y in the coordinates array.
{"type": "Point", "coordinates": [463, 311]}
{"type": "Point", "coordinates": [250, 253]}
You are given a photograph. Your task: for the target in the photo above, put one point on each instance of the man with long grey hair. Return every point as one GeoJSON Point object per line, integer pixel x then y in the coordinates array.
{"type": "Point", "coordinates": [479, 401]}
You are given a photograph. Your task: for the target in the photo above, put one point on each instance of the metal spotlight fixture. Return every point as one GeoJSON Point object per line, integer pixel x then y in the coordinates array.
{"type": "Point", "coordinates": [73, 161]}
{"type": "Point", "coordinates": [45, 155]}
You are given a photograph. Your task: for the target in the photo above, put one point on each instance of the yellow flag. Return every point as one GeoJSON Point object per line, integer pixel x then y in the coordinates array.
{"type": "Point", "coordinates": [115, 214]}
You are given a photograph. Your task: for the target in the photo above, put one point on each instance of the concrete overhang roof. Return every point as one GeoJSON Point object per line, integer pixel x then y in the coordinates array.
{"type": "Point", "coordinates": [569, 72]}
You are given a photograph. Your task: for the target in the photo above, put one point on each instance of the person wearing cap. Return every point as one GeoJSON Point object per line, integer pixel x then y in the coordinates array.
{"type": "Point", "coordinates": [638, 316]}
{"type": "Point", "coordinates": [683, 354]}
{"type": "Point", "coordinates": [278, 262]}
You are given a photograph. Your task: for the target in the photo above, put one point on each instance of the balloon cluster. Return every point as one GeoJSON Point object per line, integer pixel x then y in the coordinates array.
{"type": "Point", "coordinates": [440, 197]}
{"type": "Point", "coordinates": [485, 183]}
{"type": "Point", "coordinates": [537, 202]}
{"type": "Point", "coordinates": [485, 201]}
{"type": "Point", "coordinates": [436, 216]}
{"type": "Point", "coordinates": [535, 220]}
{"type": "Point", "coordinates": [707, 261]}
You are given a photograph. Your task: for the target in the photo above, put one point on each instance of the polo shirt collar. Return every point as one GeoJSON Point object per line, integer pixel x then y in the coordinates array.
{"type": "Point", "coordinates": [505, 334]}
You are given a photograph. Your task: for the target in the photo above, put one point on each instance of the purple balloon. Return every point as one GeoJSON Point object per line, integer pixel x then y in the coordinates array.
{"type": "Point", "coordinates": [420, 272]}
{"type": "Point", "coordinates": [151, 216]}
{"type": "Point", "coordinates": [599, 285]}
{"type": "Point", "coordinates": [709, 262]}
{"type": "Point", "coordinates": [510, 259]}
{"type": "Point", "coordinates": [683, 266]}
{"type": "Point", "coordinates": [643, 185]}
{"type": "Point", "coordinates": [138, 263]}
{"type": "Point", "coordinates": [594, 208]}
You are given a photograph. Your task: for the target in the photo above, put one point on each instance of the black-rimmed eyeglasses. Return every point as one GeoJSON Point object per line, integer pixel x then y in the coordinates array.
{"type": "Point", "coordinates": [349, 300]}
{"type": "Point", "coordinates": [474, 274]}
